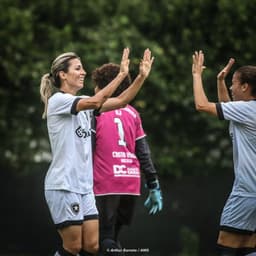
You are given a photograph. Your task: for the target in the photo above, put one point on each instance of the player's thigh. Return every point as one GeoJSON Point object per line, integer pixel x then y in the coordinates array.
{"type": "Point", "coordinates": [90, 236]}
{"type": "Point", "coordinates": [126, 209]}
{"type": "Point", "coordinates": [236, 240]}
{"type": "Point", "coordinates": [71, 236]}
{"type": "Point", "coordinates": [90, 228]}
{"type": "Point", "coordinates": [107, 206]}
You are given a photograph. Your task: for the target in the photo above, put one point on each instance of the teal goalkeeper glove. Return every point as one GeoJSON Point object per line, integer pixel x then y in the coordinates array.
{"type": "Point", "coordinates": [154, 202]}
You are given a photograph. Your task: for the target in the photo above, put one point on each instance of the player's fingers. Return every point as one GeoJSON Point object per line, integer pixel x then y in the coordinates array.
{"type": "Point", "coordinates": [125, 53]}
{"type": "Point", "coordinates": [147, 55]}
{"type": "Point", "coordinates": [153, 210]}
{"type": "Point", "coordinates": [152, 60]}
{"type": "Point", "coordinates": [229, 65]}
{"type": "Point", "coordinates": [147, 203]}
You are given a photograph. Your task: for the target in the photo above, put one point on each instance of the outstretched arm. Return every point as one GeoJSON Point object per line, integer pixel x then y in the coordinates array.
{"type": "Point", "coordinates": [223, 94]}
{"type": "Point", "coordinates": [96, 101]}
{"type": "Point", "coordinates": [125, 97]}
{"type": "Point", "coordinates": [201, 101]}
{"type": "Point", "coordinates": [154, 201]}
{"type": "Point", "coordinates": [143, 154]}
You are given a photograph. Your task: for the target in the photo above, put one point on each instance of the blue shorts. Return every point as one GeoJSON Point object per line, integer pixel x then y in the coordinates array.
{"type": "Point", "coordinates": [239, 215]}
{"type": "Point", "coordinates": [68, 208]}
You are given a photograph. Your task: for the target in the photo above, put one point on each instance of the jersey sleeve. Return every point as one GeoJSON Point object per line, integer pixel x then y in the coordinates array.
{"type": "Point", "coordinates": [139, 128]}
{"type": "Point", "coordinates": [237, 111]}
{"type": "Point", "coordinates": [63, 103]}
{"type": "Point", "coordinates": [143, 153]}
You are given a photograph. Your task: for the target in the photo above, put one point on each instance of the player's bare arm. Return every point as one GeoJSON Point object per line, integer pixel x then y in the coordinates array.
{"type": "Point", "coordinates": [96, 101]}
{"type": "Point", "coordinates": [124, 98]}
{"type": "Point", "coordinates": [201, 101]}
{"type": "Point", "coordinates": [223, 95]}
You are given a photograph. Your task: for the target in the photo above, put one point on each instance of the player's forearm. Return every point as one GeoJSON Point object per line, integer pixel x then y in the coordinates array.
{"type": "Point", "coordinates": [199, 95]}
{"type": "Point", "coordinates": [132, 90]}
{"type": "Point", "coordinates": [111, 87]}
{"type": "Point", "coordinates": [223, 95]}
{"type": "Point", "coordinates": [124, 98]}
{"type": "Point", "coordinates": [97, 101]}
{"type": "Point", "coordinates": [201, 101]}
{"type": "Point", "coordinates": [143, 154]}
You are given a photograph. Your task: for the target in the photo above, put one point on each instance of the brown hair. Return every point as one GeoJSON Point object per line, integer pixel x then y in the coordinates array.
{"type": "Point", "coordinates": [103, 75]}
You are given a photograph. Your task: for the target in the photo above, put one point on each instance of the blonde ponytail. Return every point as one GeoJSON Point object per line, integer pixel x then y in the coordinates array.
{"type": "Point", "coordinates": [46, 90]}
{"type": "Point", "coordinates": [50, 82]}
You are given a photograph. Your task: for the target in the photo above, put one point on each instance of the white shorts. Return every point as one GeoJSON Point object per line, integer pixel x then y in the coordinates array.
{"type": "Point", "coordinates": [68, 208]}
{"type": "Point", "coordinates": [239, 215]}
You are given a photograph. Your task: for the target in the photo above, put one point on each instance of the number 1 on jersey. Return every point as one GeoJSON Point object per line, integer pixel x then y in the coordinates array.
{"type": "Point", "coordinates": [121, 141]}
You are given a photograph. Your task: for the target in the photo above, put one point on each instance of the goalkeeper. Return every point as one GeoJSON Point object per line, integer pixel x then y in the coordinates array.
{"type": "Point", "coordinates": [121, 151]}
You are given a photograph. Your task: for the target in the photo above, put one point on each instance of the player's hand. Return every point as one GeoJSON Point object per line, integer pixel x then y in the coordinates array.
{"type": "Point", "coordinates": [146, 63]}
{"type": "Point", "coordinates": [223, 73]}
{"type": "Point", "coordinates": [198, 63]}
{"type": "Point", "coordinates": [124, 66]}
{"type": "Point", "coordinates": [154, 201]}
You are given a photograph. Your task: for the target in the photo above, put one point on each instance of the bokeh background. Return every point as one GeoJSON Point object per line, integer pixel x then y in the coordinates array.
{"type": "Point", "coordinates": [192, 151]}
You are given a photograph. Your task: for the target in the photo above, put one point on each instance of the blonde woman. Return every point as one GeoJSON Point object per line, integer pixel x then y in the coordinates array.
{"type": "Point", "coordinates": [69, 181]}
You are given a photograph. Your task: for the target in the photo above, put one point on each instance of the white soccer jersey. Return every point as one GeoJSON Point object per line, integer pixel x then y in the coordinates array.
{"type": "Point", "coordinates": [70, 139]}
{"type": "Point", "coordinates": [242, 116]}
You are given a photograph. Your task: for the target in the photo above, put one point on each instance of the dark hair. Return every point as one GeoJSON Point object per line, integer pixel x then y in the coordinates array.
{"type": "Point", "coordinates": [103, 75]}
{"type": "Point", "coordinates": [247, 74]}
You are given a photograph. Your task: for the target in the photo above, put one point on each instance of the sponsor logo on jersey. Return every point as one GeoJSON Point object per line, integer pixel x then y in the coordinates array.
{"type": "Point", "coordinates": [124, 171]}
{"type": "Point", "coordinates": [82, 133]}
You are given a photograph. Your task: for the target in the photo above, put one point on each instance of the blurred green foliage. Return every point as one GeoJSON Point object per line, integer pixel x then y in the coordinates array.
{"type": "Point", "coordinates": [190, 240]}
{"type": "Point", "coordinates": [183, 142]}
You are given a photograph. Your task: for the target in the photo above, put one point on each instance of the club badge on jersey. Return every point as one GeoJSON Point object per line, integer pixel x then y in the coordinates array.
{"type": "Point", "coordinates": [75, 208]}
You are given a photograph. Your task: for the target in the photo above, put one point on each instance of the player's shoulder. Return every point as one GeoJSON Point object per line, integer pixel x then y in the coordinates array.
{"type": "Point", "coordinates": [64, 97]}
{"type": "Point", "coordinates": [132, 110]}
{"type": "Point", "coordinates": [59, 96]}
{"type": "Point", "coordinates": [250, 104]}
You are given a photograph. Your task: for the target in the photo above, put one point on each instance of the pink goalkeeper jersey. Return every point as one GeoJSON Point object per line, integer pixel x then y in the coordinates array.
{"type": "Point", "coordinates": [116, 168]}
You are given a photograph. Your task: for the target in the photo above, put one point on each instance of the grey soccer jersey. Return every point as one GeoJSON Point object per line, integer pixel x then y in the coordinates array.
{"type": "Point", "coordinates": [242, 116]}
{"type": "Point", "coordinates": [70, 139]}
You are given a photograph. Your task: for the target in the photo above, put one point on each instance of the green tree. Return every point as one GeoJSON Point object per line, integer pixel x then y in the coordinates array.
{"type": "Point", "coordinates": [183, 142]}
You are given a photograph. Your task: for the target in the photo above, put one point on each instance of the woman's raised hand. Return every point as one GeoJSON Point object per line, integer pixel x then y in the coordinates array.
{"type": "Point", "coordinates": [124, 66]}
{"type": "Point", "coordinates": [223, 73]}
{"type": "Point", "coordinates": [198, 63]}
{"type": "Point", "coordinates": [146, 63]}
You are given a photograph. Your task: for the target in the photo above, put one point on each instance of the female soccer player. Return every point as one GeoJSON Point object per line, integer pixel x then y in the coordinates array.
{"type": "Point", "coordinates": [238, 219]}
{"type": "Point", "coordinates": [69, 181]}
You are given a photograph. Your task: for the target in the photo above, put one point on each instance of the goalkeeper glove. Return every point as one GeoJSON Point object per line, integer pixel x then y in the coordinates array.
{"type": "Point", "coordinates": [154, 201]}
